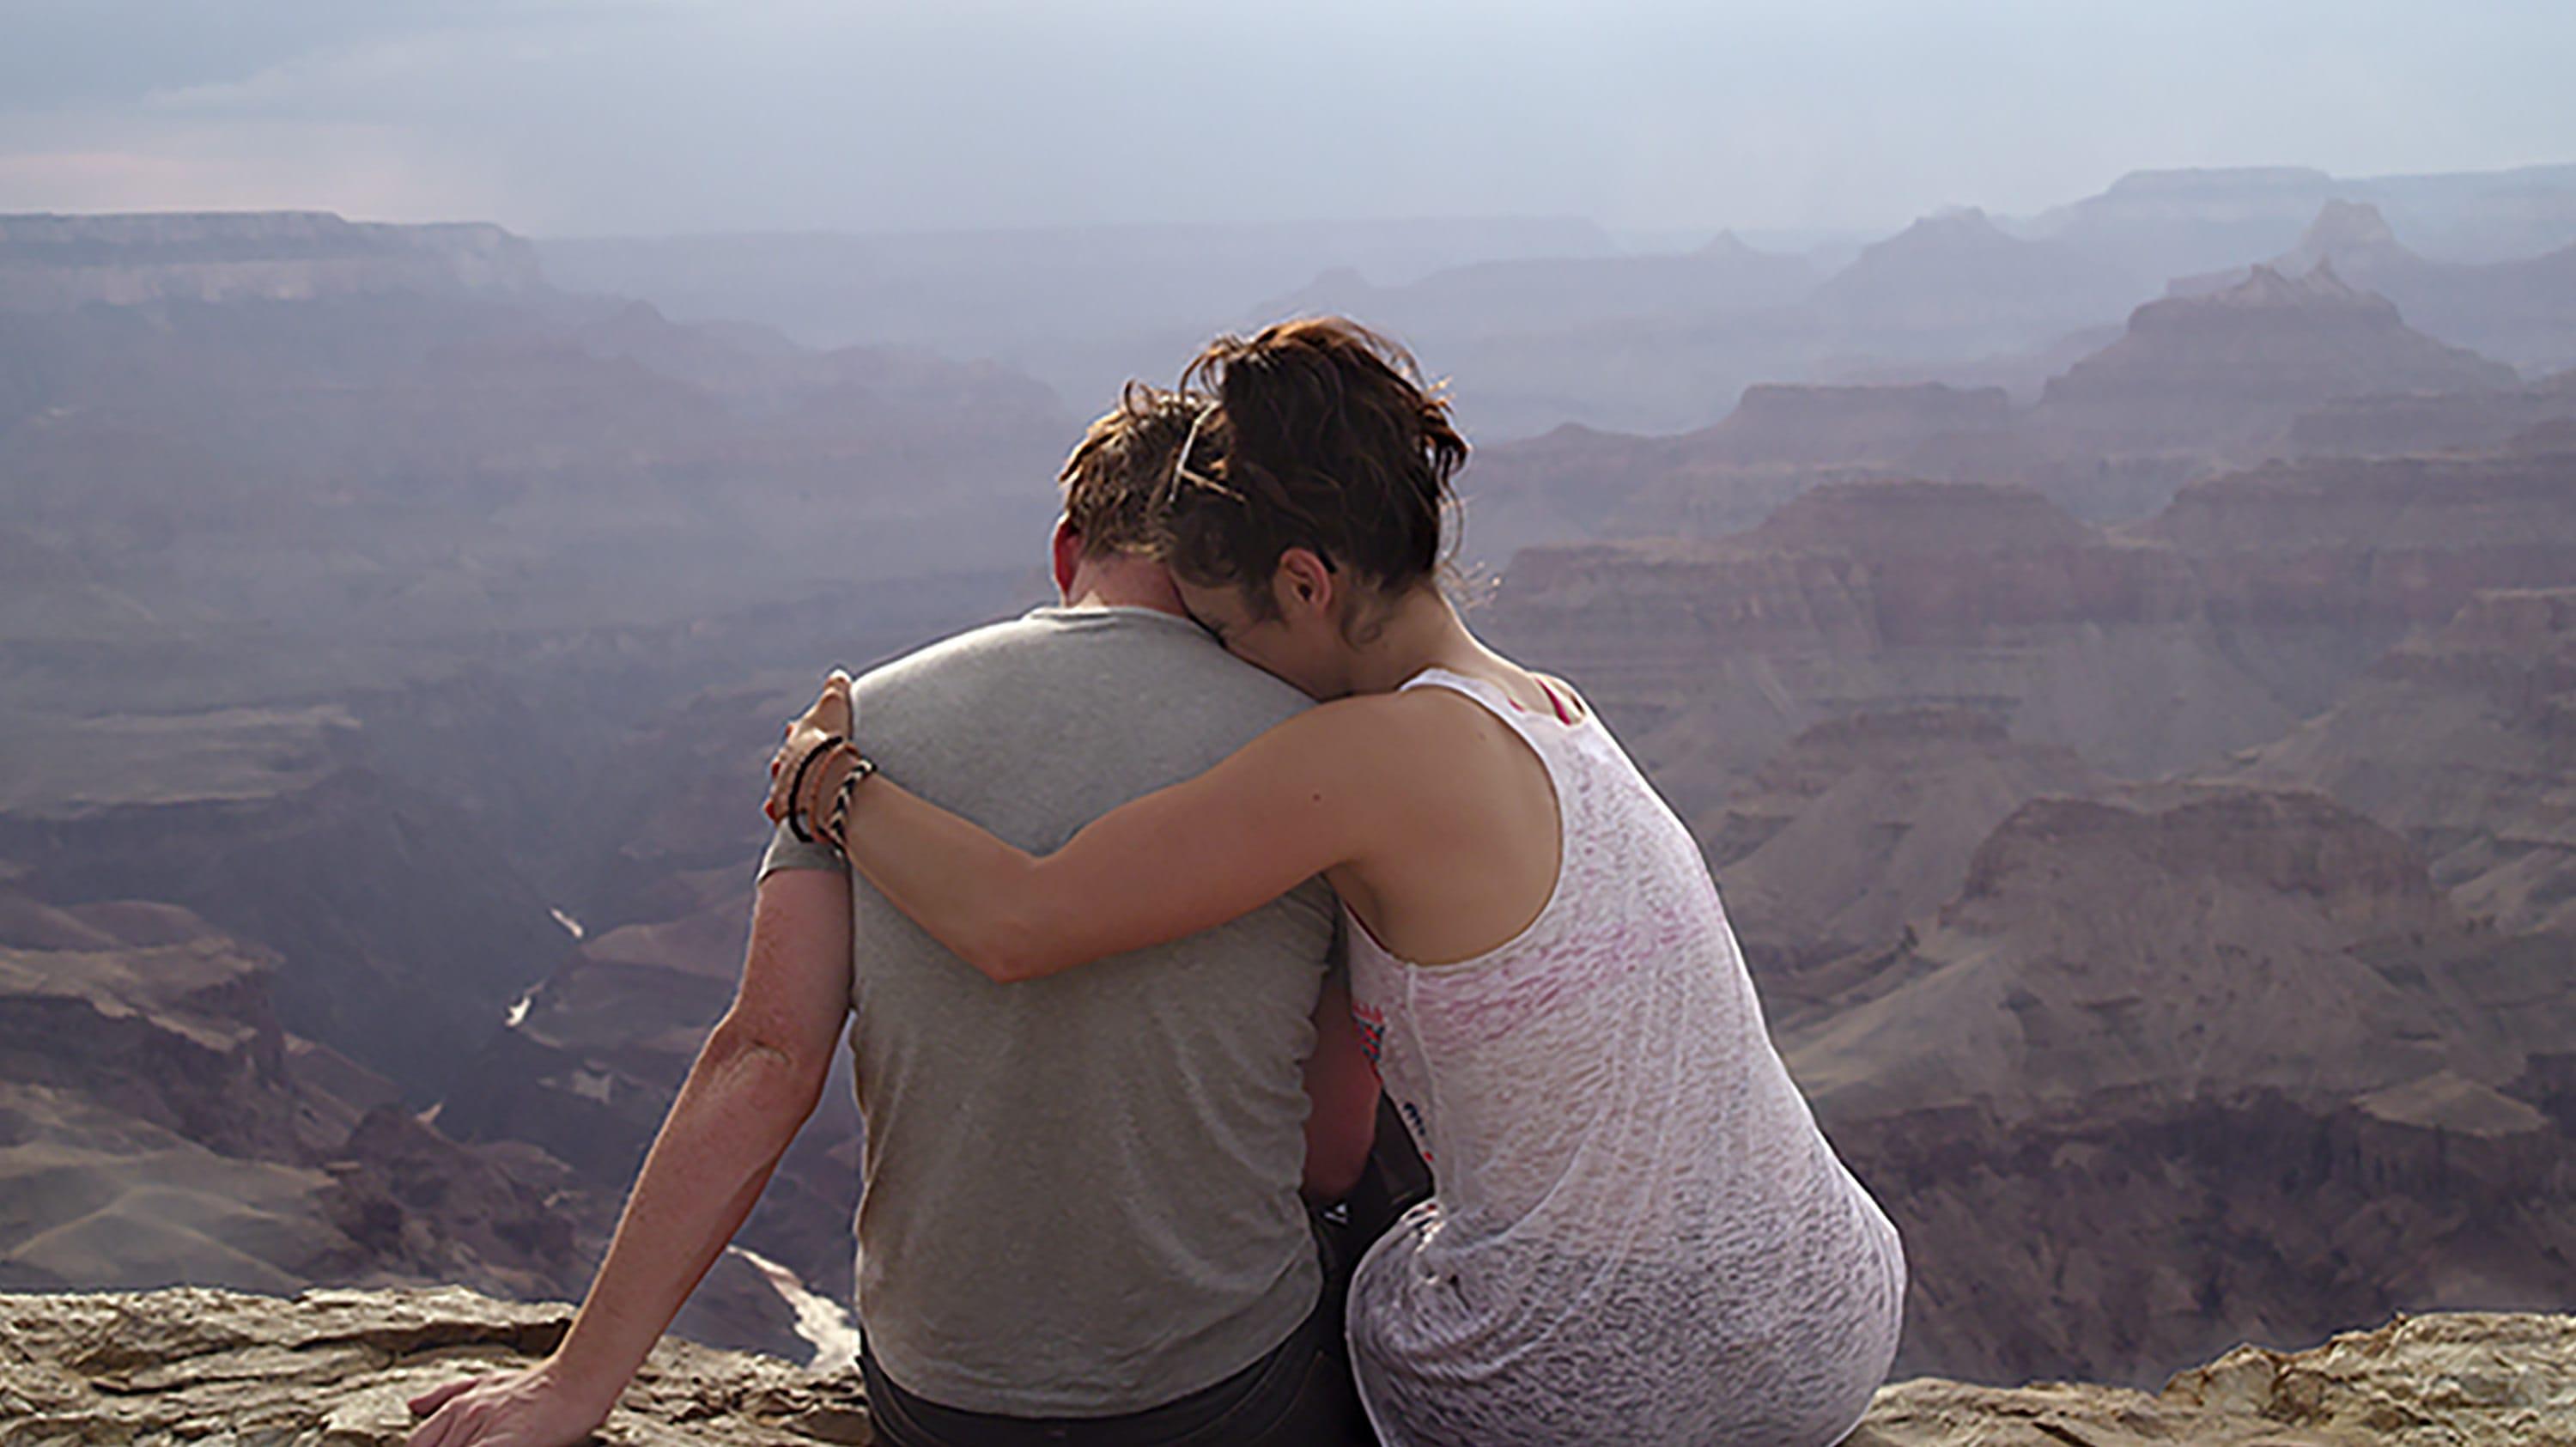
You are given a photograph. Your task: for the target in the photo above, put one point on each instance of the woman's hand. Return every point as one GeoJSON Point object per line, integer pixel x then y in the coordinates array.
{"type": "Point", "coordinates": [829, 717]}
{"type": "Point", "coordinates": [532, 1407]}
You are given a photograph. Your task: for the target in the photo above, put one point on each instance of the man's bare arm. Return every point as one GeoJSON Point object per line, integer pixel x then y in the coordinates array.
{"type": "Point", "coordinates": [755, 1082]}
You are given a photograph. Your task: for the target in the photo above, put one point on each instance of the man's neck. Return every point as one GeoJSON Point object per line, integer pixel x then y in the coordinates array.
{"type": "Point", "coordinates": [1123, 582]}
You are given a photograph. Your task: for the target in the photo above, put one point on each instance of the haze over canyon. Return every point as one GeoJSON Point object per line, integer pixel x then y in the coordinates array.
{"type": "Point", "coordinates": [2120, 663]}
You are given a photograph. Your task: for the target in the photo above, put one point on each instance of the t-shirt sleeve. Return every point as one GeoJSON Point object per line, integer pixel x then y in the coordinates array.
{"type": "Point", "coordinates": [786, 851]}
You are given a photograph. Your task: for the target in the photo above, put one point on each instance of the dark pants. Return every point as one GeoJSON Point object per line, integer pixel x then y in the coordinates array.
{"type": "Point", "coordinates": [1297, 1396]}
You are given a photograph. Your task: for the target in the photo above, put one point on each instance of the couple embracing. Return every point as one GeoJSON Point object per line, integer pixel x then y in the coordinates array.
{"type": "Point", "coordinates": [1130, 935]}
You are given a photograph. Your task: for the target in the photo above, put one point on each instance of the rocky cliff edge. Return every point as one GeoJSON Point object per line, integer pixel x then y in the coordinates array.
{"type": "Point", "coordinates": [333, 1369]}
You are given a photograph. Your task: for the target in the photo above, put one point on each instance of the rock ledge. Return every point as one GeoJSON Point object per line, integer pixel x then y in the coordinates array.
{"type": "Point", "coordinates": [332, 1368]}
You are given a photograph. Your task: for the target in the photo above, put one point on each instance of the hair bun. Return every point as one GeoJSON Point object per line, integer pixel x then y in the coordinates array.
{"type": "Point", "coordinates": [1331, 441]}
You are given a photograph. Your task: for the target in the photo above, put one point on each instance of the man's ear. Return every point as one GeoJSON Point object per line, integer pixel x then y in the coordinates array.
{"type": "Point", "coordinates": [1304, 580]}
{"type": "Point", "coordinates": [1065, 552]}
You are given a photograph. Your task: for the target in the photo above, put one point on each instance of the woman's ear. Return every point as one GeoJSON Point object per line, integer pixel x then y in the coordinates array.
{"type": "Point", "coordinates": [1305, 581]}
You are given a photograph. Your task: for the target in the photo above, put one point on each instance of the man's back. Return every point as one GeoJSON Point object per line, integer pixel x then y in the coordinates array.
{"type": "Point", "coordinates": [1081, 1192]}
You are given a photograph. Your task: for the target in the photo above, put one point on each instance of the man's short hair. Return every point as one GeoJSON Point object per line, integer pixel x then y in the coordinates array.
{"type": "Point", "coordinates": [1120, 472]}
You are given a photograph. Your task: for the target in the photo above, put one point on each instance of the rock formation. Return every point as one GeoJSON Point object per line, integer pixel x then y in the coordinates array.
{"type": "Point", "coordinates": [2167, 223]}
{"type": "Point", "coordinates": [2248, 604]}
{"type": "Point", "coordinates": [2417, 423]}
{"type": "Point", "coordinates": [337, 1367]}
{"type": "Point", "coordinates": [161, 1125]}
{"type": "Point", "coordinates": [1958, 284]}
{"type": "Point", "coordinates": [2465, 1379]}
{"type": "Point", "coordinates": [2234, 365]}
{"type": "Point", "coordinates": [2194, 386]}
{"type": "Point", "coordinates": [56, 263]}
{"type": "Point", "coordinates": [1862, 824]}
{"type": "Point", "coordinates": [2521, 310]}
{"type": "Point", "coordinates": [2351, 238]}
{"type": "Point", "coordinates": [1577, 483]}
{"type": "Point", "coordinates": [2463, 739]}
{"type": "Point", "coordinates": [269, 824]}
{"type": "Point", "coordinates": [1533, 297]}
{"type": "Point", "coordinates": [1792, 426]}
{"type": "Point", "coordinates": [2187, 945]}
{"type": "Point", "coordinates": [2179, 1066]}
{"type": "Point", "coordinates": [1710, 656]}
{"type": "Point", "coordinates": [2372, 548]}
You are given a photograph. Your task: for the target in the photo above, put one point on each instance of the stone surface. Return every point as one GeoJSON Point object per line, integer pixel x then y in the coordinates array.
{"type": "Point", "coordinates": [334, 1369]}
{"type": "Point", "coordinates": [2464, 1380]}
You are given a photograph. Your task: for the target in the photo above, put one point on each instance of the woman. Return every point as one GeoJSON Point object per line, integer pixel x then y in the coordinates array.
{"type": "Point", "coordinates": [1638, 1233]}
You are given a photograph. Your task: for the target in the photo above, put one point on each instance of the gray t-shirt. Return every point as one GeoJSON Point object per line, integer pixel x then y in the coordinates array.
{"type": "Point", "coordinates": [1081, 1192]}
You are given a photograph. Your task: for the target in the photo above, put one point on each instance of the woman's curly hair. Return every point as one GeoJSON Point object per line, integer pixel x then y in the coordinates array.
{"type": "Point", "coordinates": [1325, 436]}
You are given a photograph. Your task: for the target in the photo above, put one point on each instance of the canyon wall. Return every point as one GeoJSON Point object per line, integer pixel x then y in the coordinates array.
{"type": "Point", "coordinates": [57, 263]}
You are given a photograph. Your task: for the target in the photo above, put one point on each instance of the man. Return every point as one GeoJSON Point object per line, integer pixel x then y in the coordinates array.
{"type": "Point", "coordinates": [1081, 1217]}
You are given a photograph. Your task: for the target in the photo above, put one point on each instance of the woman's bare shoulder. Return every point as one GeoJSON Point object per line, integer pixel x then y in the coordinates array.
{"type": "Point", "coordinates": [1396, 730]}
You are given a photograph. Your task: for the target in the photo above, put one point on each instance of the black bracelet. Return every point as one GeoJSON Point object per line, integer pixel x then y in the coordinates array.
{"type": "Point", "coordinates": [796, 787]}
{"type": "Point", "coordinates": [837, 830]}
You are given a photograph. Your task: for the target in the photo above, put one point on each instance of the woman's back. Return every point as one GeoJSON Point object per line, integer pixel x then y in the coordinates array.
{"type": "Point", "coordinates": [1639, 1232]}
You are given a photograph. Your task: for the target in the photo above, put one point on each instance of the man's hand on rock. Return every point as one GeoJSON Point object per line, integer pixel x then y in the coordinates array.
{"type": "Point", "coordinates": [532, 1407]}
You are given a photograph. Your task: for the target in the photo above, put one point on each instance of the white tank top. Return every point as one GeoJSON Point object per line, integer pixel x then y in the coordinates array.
{"type": "Point", "coordinates": [1638, 1233]}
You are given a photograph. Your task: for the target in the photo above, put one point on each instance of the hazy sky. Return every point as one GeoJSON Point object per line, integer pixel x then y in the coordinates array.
{"type": "Point", "coordinates": [561, 117]}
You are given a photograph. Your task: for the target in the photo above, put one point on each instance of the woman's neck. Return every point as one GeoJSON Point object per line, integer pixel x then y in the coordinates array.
{"type": "Point", "coordinates": [1420, 630]}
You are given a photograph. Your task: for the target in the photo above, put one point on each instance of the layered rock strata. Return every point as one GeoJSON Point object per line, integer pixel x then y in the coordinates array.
{"type": "Point", "coordinates": [2463, 739]}
{"type": "Point", "coordinates": [1863, 823]}
{"type": "Point", "coordinates": [2182, 1065]}
{"type": "Point", "coordinates": [2234, 365]}
{"type": "Point", "coordinates": [2249, 604]}
{"type": "Point", "coordinates": [1708, 657]}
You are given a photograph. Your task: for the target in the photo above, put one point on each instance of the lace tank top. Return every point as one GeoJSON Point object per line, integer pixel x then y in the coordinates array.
{"type": "Point", "coordinates": [1638, 1232]}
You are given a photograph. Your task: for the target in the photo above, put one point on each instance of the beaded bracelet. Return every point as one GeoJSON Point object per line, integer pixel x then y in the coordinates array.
{"type": "Point", "coordinates": [836, 832]}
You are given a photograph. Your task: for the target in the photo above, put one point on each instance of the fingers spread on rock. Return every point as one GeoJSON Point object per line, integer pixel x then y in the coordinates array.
{"type": "Point", "coordinates": [431, 1400]}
